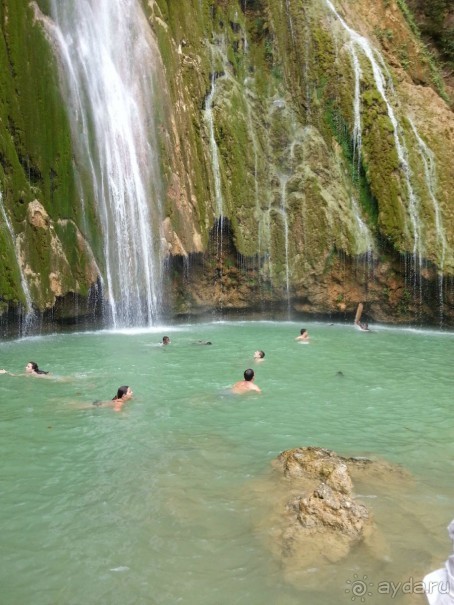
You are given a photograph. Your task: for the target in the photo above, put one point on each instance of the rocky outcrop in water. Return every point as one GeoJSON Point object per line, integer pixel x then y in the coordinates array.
{"type": "Point", "coordinates": [323, 520]}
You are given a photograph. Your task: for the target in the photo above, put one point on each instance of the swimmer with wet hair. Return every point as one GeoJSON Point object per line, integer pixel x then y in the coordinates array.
{"type": "Point", "coordinates": [165, 340]}
{"type": "Point", "coordinates": [32, 368]}
{"type": "Point", "coordinates": [304, 335]}
{"type": "Point", "coordinates": [123, 395]}
{"type": "Point", "coordinates": [259, 355]}
{"type": "Point", "coordinates": [246, 385]}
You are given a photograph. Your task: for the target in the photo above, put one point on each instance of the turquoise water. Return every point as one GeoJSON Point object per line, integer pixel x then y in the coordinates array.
{"type": "Point", "coordinates": [173, 499]}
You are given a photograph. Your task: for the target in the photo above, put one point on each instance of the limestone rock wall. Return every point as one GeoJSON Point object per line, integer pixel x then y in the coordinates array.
{"type": "Point", "coordinates": [49, 237]}
{"type": "Point", "coordinates": [257, 127]}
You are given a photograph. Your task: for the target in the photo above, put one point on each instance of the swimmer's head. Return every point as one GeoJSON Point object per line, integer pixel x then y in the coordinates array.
{"type": "Point", "coordinates": [248, 375]}
{"type": "Point", "coordinates": [303, 331]}
{"type": "Point", "coordinates": [32, 368]}
{"type": "Point", "coordinates": [165, 340]}
{"type": "Point", "coordinates": [259, 354]}
{"type": "Point", "coordinates": [124, 393]}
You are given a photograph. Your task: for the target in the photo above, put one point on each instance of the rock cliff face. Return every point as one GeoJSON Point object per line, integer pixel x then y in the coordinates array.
{"type": "Point", "coordinates": [306, 162]}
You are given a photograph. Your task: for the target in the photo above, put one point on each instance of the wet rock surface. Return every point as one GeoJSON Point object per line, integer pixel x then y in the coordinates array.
{"type": "Point", "coordinates": [323, 520]}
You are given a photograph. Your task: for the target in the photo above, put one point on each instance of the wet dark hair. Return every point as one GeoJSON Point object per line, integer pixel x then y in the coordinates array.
{"type": "Point", "coordinates": [36, 369]}
{"type": "Point", "coordinates": [120, 393]}
{"type": "Point", "coordinates": [262, 354]}
{"type": "Point", "coordinates": [165, 339]}
{"type": "Point", "coordinates": [248, 374]}
{"type": "Point", "coordinates": [303, 330]}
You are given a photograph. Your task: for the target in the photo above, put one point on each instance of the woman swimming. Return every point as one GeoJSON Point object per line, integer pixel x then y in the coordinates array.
{"type": "Point", "coordinates": [123, 395]}
{"type": "Point", "coordinates": [32, 368]}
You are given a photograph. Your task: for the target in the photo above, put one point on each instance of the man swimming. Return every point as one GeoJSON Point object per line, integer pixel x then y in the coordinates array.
{"type": "Point", "coordinates": [246, 385]}
{"type": "Point", "coordinates": [259, 356]}
{"type": "Point", "coordinates": [304, 335]}
{"type": "Point", "coordinates": [165, 340]}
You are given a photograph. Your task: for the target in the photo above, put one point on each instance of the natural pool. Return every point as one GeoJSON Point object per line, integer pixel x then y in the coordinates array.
{"type": "Point", "coordinates": [169, 500]}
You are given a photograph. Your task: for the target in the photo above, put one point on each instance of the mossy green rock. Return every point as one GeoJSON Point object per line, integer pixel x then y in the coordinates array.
{"type": "Point", "coordinates": [300, 206]}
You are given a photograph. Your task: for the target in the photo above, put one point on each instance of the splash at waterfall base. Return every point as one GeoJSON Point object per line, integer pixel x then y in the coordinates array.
{"type": "Point", "coordinates": [222, 282]}
{"type": "Point", "coordinates": [317, 135]}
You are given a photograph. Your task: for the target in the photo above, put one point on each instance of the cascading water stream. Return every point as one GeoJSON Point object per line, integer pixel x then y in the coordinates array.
{"type": "Point", "coordinates": [110, 64]}
{"type": "Point", "coordinates": [263, 234]}
{"type": "Point", "coordinates": [29, 318]}
{"type": "Point", "coordinates": [357, 129]}
{"type": "Point", "coordinates": [364, 238]}
{"type": "Point", "coordinates": [428, 160]}
{"type": "Point", "coordinates": [380, 83]}
{"type": "Point", "coordinates": [214, 150]}
{"type": "Point", "coordinates": [290, 21]}
{"type": "Point", "coordinates": [283, 211]}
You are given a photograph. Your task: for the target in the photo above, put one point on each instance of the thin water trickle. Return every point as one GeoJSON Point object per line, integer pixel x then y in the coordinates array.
{"type": "Point", "coordinates": [290, 21]}
{"type": "Point", "coordinates": [263, 227]}
{"type": "Point", "coordinates": [214, 152]}
{"type": "Point", "coordinates": [29, 316]}
{"type": "Point", "coordinates": [110, 67]}
{"type": "Point", "coordinates": [357, 127]}
{"type": "Point", "coordinates": [283, 211]}
{"type": "Point", "coordinates": [430, 174]}
{"type": "Point", "coordinates": [381, 84]}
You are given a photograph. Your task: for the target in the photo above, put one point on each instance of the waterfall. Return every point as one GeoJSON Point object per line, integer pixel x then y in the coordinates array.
{"type": "Point", "coordinates": [380, 83]}
{"type": "Point", "coordinates": [27, 321]}
{"type": "Point", "coordinates": [110, 65]}
{"type": "Point", "coordinates": [290, 22]}
{"type": "Point", "coordinates": [209, 119]}
{"type": "Point", "coordinates": [364, 238]}
{"type": "Point", "coordinates": [263, 227]}
{"type": "Point", "coordinates": [357, 131]}
{"type": "Point", "coordinates": [430, 176]}
{"type": "Point", "coordinates": [283, 211]}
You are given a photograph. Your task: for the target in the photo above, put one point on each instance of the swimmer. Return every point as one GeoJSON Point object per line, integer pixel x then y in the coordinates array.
{"type": "Point", "coordinates": [32, 368]}
{"type": "Point", "coordinates": [363, 326]}
{"type": "Point", "coordinates": [259, 356]}
{"type": "Point", "coordinates": [123, 395]}
{"type": "Point", "coordinates": [8, 373]}
{"type": "Point", "coordinates": [203, 342]}
{"type": "Point", "coordinates": [165, 340]}
{"type": "Point", "coordinates": [304, 335]}
{"type": "Point", "coordinates": [246, 385]}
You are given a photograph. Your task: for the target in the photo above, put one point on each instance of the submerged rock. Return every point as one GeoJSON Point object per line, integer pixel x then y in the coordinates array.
{"type": "Point", "coordinates": [323, 520]}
